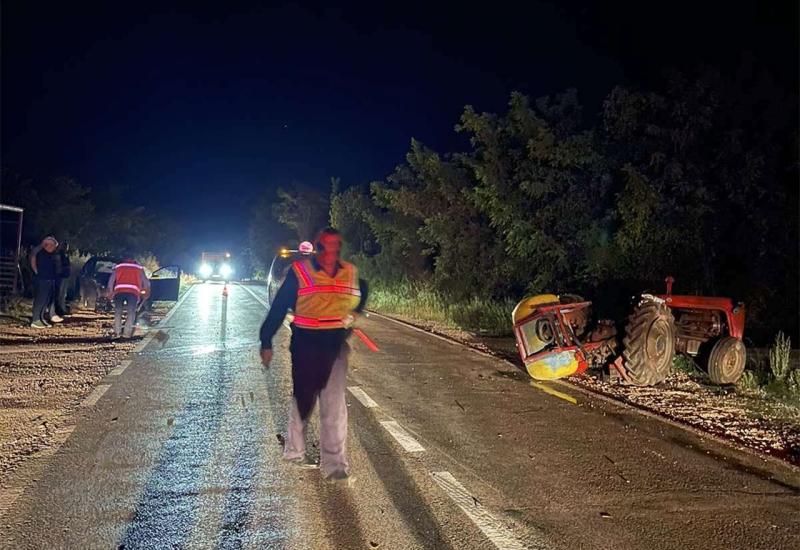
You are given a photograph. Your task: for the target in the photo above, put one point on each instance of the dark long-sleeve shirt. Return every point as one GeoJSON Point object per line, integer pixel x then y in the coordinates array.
{"type": "Point", "coordinates": [286, 299]}
{"type": "Point", "coordinates": [45, 264]}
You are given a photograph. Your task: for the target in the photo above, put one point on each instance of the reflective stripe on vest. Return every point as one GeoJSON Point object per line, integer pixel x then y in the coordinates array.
{"type": "Point", "coordinates": [127, 278]}
{"type": "Point", "coordinates": [323, 301]}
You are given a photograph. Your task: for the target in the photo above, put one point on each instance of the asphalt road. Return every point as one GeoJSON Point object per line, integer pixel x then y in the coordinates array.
{"type": "Point", "coordinates": [449, 449]}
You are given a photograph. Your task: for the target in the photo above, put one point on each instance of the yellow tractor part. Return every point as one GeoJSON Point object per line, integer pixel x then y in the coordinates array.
{"type": "Point", "coordinates": [526, 306]}
{"type": "Point", "coordinates": [559, 364]}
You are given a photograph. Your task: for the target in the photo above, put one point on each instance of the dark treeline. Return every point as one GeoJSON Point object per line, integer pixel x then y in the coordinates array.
{"type": "Point", "coordinates": [698, 180]}
{"type": "Point", "coordinates": [92, 221]}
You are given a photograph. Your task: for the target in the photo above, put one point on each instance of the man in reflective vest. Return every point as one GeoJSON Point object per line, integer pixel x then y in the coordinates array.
{"type": "Point", "coordinates": [324, 292]}
{"type": "Point", "coordinates": [126, 286]}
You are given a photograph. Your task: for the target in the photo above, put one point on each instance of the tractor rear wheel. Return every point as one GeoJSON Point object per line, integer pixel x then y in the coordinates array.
{"type": "Point", "coordinates": [726, 361]}
{"type": "Point", "coordinates": [649, 343]}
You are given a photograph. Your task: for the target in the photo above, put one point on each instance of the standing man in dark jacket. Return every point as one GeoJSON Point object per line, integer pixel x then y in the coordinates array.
{"type": "Point", "coordinates": [44, 277]}
{"type": "Point", "coordinates": [324, 292]}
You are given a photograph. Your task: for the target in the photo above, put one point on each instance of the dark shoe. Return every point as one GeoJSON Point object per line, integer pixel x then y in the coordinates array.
{"type": "Point", "coordinates": [46, 323]}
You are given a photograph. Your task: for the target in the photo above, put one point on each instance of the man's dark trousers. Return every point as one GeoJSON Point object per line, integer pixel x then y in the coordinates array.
{"type": "Point", "coordinates": [42, 295]}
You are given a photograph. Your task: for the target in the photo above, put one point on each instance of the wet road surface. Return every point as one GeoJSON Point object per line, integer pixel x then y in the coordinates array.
{"type": "Point", "coordinates": [449, 449]}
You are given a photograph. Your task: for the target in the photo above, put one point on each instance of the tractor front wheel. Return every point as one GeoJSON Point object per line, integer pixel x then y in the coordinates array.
{"type": "Point", "coordinates": [726, 361]}
{"type": "Point", "coordinates": [649, 343]}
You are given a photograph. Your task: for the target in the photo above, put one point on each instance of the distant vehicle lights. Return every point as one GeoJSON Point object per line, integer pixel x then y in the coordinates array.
{"type": "Point", "coordinates": [225, 270]}
{"type": "Point", "coordinates": [206, 270]}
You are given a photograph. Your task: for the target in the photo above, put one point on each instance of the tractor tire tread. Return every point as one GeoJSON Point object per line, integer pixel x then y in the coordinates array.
{"type": "Point", "coordinates": [634, 343]}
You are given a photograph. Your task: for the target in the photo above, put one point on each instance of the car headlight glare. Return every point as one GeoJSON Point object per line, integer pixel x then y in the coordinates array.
{"type": "Point", "coordinates": [225, 270]}
{"type": "Point", "coordinates": [205, 270]}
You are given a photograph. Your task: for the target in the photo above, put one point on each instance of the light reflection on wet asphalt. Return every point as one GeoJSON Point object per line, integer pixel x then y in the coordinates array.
{"type": "Point", "coordinates": [212, 366]}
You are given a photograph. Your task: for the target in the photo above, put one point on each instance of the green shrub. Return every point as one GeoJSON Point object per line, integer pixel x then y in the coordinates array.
{"type": "Point", "coordinates": [750, 380]}
{"type": "Point", "coordinates": [684, 363]}
{"type": "Point", "coordinates": [779, 357]}
{"type": "Point", "coordinates": [421, 301]}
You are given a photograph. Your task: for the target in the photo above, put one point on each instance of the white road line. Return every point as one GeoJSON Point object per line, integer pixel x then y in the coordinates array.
{"type": "Point", "coordinates": [96, 394]}
{"type": "Point", "coordinates": [171, 312]}
{"type": "Point", "coordinates": [120, 368]}
{"type": "Point", "coordinates": [486, 522]}
{"type": "Point", "coordinates": [403, 437]}
{"type": "Point", "coordinates": [362, 396]}
{"type": "Point", "coordinates": [423, 331]}
{"type": "Point", "coordinates": [254, 295]}
{"type": "Point", "coordinates": [143, 344]}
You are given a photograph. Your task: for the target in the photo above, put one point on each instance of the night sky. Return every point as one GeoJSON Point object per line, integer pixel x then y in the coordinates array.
{"type": "Point", "coordinates": [200, 109]}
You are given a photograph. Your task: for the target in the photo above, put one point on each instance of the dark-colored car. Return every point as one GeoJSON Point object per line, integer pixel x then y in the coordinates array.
{"type": "Point", "coordinates": [90, 289]}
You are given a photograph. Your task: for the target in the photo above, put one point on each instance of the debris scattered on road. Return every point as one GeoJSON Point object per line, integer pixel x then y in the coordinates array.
{"type": "Point", "coordinates": [45, 375]}
{"type": "Point", "coordinates": [605, 515]}
{"type": "Point", "coordinates": [460, 405]}
{"type": "Point", "coordinates": [740, 415]}
{"type": "Point", "coordinates": [161, 336]}
{"type": "Point", "coordinates": [170, 421]}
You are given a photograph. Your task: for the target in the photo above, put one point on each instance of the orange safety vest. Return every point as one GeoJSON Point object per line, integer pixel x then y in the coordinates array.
{"type": "Point", "coordinates": [325, 302]}
{"type": "Point", "coordinates": [128, 278]}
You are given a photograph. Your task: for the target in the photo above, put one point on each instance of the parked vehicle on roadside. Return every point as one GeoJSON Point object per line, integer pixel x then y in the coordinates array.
{"type": "Point", "coordinates": [90, 290]}
{"type": "Point", "coordinates": [556, 337]}
{"type": "Point", "coordinates": [281, 263]}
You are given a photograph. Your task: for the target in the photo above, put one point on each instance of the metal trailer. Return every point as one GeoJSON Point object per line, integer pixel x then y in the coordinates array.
{"type": "Point", "coordinates": [10, 247]}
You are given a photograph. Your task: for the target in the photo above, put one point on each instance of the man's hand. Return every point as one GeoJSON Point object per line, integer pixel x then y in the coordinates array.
{"type": "Point", "coordinates": [266, 357]}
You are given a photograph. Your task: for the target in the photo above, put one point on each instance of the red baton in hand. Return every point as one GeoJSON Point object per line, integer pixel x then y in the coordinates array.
{"type": "Point", "coordinates": [364, 338]}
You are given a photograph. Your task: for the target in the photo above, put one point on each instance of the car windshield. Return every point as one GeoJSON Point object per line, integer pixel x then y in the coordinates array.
{"type": "Point", "coordinates": [166, 273]}
{"type": "Point", "coordinates": [104, 266]}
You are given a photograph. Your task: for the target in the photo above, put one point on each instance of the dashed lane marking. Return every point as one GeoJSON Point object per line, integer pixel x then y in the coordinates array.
{"type": "Point", "coordinates": [555, 393]}
{"type": "Point", "coordinates": [120, 368]}
{"type": "Point", "coordinates": [402, 437]}
{"type": "Point", "coordinates": [95, 396]}
{"type": "Point", "coordinates": [9, 496]}
{"type": "Point", "coordinates": [362, 396]}
{"type": "Point", "coordinates": [486, 522]}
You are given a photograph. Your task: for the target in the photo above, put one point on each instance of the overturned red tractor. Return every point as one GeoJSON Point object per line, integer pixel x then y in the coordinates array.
{"type": "Point", "coordinates": [556, 337]}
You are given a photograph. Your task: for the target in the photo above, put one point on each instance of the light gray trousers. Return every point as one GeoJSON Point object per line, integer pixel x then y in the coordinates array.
{"type": "Point", "coordinates": [129, 301]}
{"type": "Point", "coordinates": [332, 422]}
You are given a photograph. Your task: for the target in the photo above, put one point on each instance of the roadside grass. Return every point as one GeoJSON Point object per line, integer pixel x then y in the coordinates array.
{"type": "Point", "coordinates": [187, 280]}
{"type": "Point", "coordinates": [420, 301]}
{"type": "Point", "coordinates": [774, 381]}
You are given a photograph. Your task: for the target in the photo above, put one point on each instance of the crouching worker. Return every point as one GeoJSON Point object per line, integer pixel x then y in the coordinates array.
{"type": "Point", "coordinates": [324, 292]}
{"type": "Point", "coordinates": [126, 286]}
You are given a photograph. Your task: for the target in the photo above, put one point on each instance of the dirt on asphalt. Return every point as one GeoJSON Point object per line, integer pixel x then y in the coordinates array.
{"type": "Point", "coordinates": [747, 417]}
{"type": "Point", "coordinates": [46, 373]}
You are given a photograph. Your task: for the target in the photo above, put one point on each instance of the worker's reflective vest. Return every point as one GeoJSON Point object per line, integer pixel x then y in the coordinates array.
{"type": "Point", "coordinates": [325, 302]}
{"type": "Point", "coordinates": [128, 278]}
